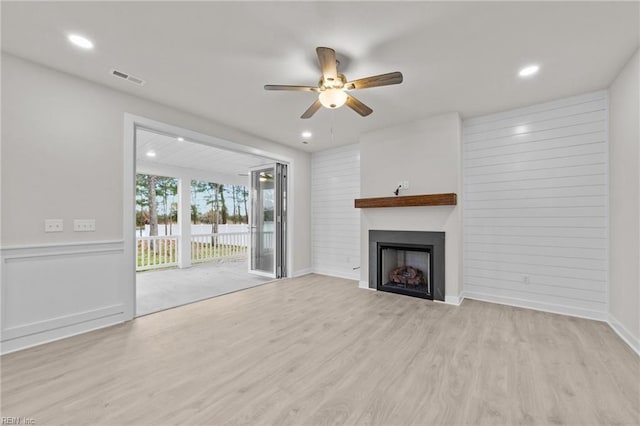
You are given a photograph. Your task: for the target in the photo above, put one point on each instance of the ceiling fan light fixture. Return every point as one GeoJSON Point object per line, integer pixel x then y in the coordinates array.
{"type": "Point", "coordinates": [333, 86]}
{"type": "Point", "coordinates": [332, 98]}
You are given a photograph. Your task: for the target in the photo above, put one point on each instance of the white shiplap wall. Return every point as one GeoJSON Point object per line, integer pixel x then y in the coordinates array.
{"type": "Point", "coordinates": [335, 183]}
{"type": "Point", "coordinates": [536, 206]}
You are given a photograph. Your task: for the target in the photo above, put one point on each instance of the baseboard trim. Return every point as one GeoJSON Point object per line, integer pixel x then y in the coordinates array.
{"type": "Point", "coordinates": [48, 336]}
{"type": "Point", "coordinates": [625, 335]}
{"type": "Point", "coordinates": [302, 272]}
{"type": "Point", "coordinates": [337, 274]}
{"type": "Point", "coordinates": [537, 306]}
{"type": "Point", "coordinates": [61, 322]}
{"type": "Point", "coordinates": [365, 285]}
{"type": "Point", "coordinates": [618, 328]}
{"type": "Point", "coordinates": [453, 300]}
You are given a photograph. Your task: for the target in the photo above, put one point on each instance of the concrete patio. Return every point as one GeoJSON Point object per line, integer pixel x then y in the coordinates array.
{"type": "Point", "coordinates": [163, 289]}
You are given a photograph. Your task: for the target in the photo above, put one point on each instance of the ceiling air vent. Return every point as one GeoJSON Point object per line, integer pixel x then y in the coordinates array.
{"type": "Point", "coordinates": [129, 77]}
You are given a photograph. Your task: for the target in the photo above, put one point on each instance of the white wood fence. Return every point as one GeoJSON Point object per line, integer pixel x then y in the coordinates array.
{"type": "Point", "coordinates": [210, 247]}
{"type": "Point", "coordinates": [162, 251]}
{"type": "Point", "coordinates": [156, 252]}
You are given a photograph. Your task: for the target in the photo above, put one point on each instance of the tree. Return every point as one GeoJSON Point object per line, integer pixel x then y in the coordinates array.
{"type": "Point", "coordinates": [234, 199]}
{"type": "Point", "coordinates": [173, 216]}
{"type": "Point", "coordinates": [166, 187]}
{"type": "Point", "coordinates": [197, 188]}
{"type": "Point", "coordinates": [142, 201]}
{"type": "Point", "coordinates": [212, 200]}
{"type": "Point", "coordinates": [223, 205]}
{"type": "Point", "coordinates": [153, 208]}
{"type": "Point", "coordinates": [244, 194]}
{"type": "Point", "coordinates": [239, 196]}
{"type": "Point", "coordinates": [194, 213]}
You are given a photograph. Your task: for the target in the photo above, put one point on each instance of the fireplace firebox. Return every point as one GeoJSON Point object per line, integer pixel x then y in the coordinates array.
{"type": "Point", "coordinates": [405, 269]}
{"type": "Point", "coordinates": [407, 262]}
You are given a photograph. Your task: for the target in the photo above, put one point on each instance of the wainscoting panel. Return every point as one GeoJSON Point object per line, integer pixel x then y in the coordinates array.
{"type": "Point", "coordinates": [536, 206]}
{"type": "Point", "coordinates": [54, 291]}
{"type": "Point", "coordinates": [335, 184]}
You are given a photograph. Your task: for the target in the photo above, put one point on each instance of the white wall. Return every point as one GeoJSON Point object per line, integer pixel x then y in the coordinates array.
{"type": "Point", "coordinates": [624, 183]}
{"type": "Point", "coordinates": [62, 157]}
{"type": "Point", "coordinates": [535, 214]}
{"type": "Point", "coordinates": [427, 154]}
{"type": "Point", "coordinates": [335, 223]}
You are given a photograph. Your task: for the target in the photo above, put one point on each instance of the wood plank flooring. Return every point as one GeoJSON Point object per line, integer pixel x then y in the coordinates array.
{"type": "Point", "coordinates": [319, 351]}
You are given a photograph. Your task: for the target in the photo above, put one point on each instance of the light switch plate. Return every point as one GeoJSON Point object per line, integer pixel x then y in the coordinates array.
{"type": "Point", "coordinates": [84, 225]}
{"type": "Point", "coordinates": [53, 225]}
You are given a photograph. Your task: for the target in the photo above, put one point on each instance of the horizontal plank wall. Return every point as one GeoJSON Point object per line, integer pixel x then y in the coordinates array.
{"type": "Point", "coordinates": [335, 223]}
{"type": "Point", "coordinates": [536, 206]}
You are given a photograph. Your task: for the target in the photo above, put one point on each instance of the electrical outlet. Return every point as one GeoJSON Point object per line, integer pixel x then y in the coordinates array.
{"type": "Point", "coordinates": [84, 225]}
{"type": "Point", "coordinates": [53, 225]}
{"type": "Point", "coordinates": [403, 184]}
{"type": "Point", "coordinates": [525, 279]}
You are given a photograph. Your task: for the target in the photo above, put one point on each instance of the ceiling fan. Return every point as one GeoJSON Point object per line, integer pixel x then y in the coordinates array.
{"type": "Point", "coordinates": [333, 87]}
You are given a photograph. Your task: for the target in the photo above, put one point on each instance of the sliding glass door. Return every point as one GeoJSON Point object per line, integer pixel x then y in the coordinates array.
{"type": "Point", "coordinates": [268, 224]}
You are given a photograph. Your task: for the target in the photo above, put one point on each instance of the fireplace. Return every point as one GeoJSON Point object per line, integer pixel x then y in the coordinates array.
{"type": "Point", "coordinates": [405, 269]}
{"type": "Point", "coordinates": [407, 262]}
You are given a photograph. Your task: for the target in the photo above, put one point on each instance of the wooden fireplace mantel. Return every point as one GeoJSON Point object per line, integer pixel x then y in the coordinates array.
{"type": "Point", "coordinates": [449, 199]}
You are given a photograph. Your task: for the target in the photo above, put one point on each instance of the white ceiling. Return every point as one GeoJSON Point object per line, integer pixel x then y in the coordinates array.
{"type": "Point", "coordinates": [203, 159]}
{"type": "Point", "coordinates": [212, 58]}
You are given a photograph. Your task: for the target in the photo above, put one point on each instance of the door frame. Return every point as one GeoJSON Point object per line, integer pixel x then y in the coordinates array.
{"type": "Point", "coordinates": [252, 206]}
{"type": "Point", "coordinates": [274, 273]}
{"type": "Point", "coordinates": [131, 124]}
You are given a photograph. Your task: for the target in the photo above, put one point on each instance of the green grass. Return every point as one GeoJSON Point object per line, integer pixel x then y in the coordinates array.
{"type": "Point", "coordinates": [199, 252]}
{"type": "Point", "coordinates": [157, 258]}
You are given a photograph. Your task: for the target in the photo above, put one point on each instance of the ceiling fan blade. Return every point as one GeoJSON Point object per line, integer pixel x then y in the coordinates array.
{"type": "Point", "coordinates": [358, 106]}
{"type": "Point", "coordinates": [327, 59]}
{"type": "Point", "coordinates": [293, 88]}
{"type": "Point", "coordinates": [312, 109]}
{"type": "Point", "coordinates": [375, 81]}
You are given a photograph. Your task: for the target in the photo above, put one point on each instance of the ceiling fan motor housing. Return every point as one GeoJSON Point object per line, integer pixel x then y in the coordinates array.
{"type": "Point", "coordinates": [332, 83]}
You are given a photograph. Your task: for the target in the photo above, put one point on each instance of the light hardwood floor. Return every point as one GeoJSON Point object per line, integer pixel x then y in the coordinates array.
{"type": "Point", "coordinates": [317, 350]}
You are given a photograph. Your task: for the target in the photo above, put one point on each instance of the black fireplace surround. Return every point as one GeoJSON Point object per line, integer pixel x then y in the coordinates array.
{"type": "Point", "coordinates": [407, 262]}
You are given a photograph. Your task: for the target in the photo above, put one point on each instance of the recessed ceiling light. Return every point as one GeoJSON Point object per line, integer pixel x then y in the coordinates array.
{"type": "Point", "coordinates": [306, 134]}
{"type": "Point", "coordinates": [529, 70]}
{"type": "Point", "coordinates": [80, 41]}
{"type": "Point", "coordinates": [305, 142]}
{"type": "Point", "coordinates": [180, 139]}
{"type": "Point", "coordinates": [151, 154]}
